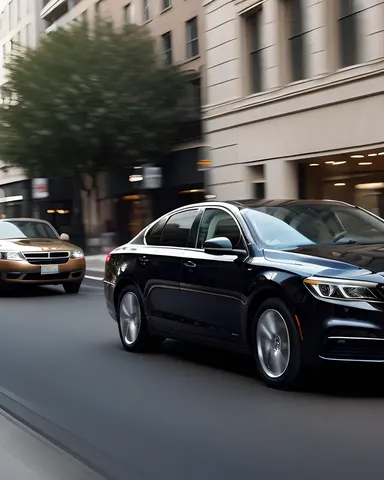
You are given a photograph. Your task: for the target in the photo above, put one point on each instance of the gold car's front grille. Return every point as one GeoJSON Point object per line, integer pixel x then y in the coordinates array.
{"type": "Point", "coordinates": [47, 258]}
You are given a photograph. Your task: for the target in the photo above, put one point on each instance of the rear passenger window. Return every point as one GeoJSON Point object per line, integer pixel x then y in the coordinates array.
{"type": "Point", "coordinates": [154, 235]}
{"type": "Point", "coordinates": [177, 229]}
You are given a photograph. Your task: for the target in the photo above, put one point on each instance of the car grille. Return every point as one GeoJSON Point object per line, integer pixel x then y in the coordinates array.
{"type": "Point", "coordinates": [354, 348]}
{"type": "Point", "coordinates": [47, 258]}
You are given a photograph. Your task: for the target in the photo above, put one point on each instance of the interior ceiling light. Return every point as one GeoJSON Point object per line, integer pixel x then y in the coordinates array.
{"type": "Point", "coordinates": [314, 165]}
{"type": "Point", "coordinates": [365, 163]}
{"type": "Point", "coordinates": [330, 162]}
{"type": "Point", "coordinates": [357, 156]}
{"type": "Point", "coordinates": [339, 184]}
{"type": "Point", "coordinates": [135, 178]}
{"type": "Point", "coordinates": [369, 186]}
{"type": "Point", "coordinates": [339, 163]}
{"type": "Point", "coordinates": [381, 153]}
{"type": "Point", "coordinates": [372, 154]}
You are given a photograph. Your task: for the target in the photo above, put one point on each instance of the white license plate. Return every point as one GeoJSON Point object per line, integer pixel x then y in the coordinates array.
{"type": "Point", "coordinates": [49, 269]}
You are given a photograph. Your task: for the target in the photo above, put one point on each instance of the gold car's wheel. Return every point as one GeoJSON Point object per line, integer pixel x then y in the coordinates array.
{"type": "Point", "coordinates": [72, 287]}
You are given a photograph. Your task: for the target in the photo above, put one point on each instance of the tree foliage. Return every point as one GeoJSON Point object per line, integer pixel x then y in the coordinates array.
{"type": "Point", "coordinates": [87, 100]}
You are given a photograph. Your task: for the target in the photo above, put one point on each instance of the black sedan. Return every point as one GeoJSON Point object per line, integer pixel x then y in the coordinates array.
{"type": "Point", "coordinates": [294, 283]}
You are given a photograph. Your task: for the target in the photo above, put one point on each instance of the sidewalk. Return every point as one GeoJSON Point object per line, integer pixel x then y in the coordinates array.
{"type": "Point", "coordinates": [24, 455]}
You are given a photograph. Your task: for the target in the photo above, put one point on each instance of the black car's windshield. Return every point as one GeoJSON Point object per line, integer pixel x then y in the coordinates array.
{"type": "Point", "coordinates": [13, 229]}
{"type": "Point", "coordinates": [289, 226]}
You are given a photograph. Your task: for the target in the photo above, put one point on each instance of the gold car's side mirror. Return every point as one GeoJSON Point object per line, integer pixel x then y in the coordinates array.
{"type": "Point", "coordinates": [64, 237]}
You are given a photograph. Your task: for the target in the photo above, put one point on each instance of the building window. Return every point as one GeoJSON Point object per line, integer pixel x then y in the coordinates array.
{"type": "Point", "coordinates": [254, 25]}
{"type": "Point", "coordinates": [84, 17]}
{"type": "Point", "coordinates": [128, 13]}
{"type": "Point", "coordinates": [146, 10]}
{"type": "Point", "coordinates": [166, 4]}
{"type": "Point", "coordinates": [167, 47]}
{"type": "Point", "coordinates": [297, 40]}
{"type": "Point", "coordinates": [348, 32]}
{"type": "Point", "coordinates": [192, 38]}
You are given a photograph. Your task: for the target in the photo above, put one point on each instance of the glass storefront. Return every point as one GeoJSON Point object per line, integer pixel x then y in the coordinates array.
{"type": "Point", "coordinates": [355, 178]}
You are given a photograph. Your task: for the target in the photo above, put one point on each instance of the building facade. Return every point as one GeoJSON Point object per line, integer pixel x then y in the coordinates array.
{"type": "Point", "coordinates": [295, 99]}
{"type": "Point", "coordinates": [124, 206]}
{"type": "Point", "coordinates": [20, 25]}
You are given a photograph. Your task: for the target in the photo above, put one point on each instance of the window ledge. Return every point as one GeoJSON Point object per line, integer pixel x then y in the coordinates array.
{"type": "Point", "coordinates": [188, 60]}
{"type": "Point", "coordinates": [165, 10]}
{"type": "Point", "coordinates": [147, 21]}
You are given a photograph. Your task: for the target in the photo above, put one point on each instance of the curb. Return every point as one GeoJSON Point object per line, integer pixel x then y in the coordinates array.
{"type": "Point", "coordinates": [63, 439]}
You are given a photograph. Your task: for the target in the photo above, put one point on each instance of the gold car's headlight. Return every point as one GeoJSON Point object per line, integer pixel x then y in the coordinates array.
{"type": "Point", "coordinates": [338, 289]}
{"type": "Point", "coordinates": [11, 256]}
{"type": "Point", "coordinates": [77, 254]}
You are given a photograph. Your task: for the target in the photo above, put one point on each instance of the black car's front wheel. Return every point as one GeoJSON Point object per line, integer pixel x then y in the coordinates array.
{"type": "Point", "coordinates": [276, 344]}
{"type": "Point", "coordinates": [132, 323]}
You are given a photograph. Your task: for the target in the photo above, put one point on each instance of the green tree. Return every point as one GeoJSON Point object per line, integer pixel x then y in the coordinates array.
{"type": "Point", "coordinates": [86, 100]}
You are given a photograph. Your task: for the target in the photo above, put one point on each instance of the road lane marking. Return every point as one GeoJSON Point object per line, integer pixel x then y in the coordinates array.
{"type": "Point", "coordinates": [94, 278]}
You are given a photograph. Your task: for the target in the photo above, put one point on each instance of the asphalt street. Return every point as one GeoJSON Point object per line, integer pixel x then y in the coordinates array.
{"type": "Point", "coordinates": [185, 413]}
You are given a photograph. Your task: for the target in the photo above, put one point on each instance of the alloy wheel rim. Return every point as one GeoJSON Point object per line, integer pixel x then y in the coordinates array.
{"type": "Point", "coordinates": [130, 318]}
{"type": "Point", "coordinates": [273, 343]}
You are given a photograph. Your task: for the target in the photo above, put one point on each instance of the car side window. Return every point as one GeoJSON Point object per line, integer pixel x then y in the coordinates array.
{"type": "Point", "coordinates": [177, 229]}
{"type": "Point", "coordinates": [217, 223]}
{"type": "Point", "coordinates": [154, 234]}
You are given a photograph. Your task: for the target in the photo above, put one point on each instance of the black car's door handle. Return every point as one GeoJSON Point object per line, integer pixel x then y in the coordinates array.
{"type": "Point", "coordinates": [143, 260]}
{"type": "Point", "coordinates": [189, 264]}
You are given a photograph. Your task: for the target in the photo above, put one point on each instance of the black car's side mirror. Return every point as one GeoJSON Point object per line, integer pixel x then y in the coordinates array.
{"type": "Point", "coordinates": [221, 246]}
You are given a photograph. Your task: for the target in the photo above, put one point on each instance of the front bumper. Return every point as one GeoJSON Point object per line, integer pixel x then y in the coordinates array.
{"type": "Point", "coordinates": [23, 272]}
{"type": "Point", "coordinates": [343, 331]}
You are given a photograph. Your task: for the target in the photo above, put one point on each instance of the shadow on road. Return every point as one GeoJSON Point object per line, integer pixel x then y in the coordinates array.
{"type": "Point", "coordinates": [28, 291]}
{"type": "Point", "coordinates": [350, 381]}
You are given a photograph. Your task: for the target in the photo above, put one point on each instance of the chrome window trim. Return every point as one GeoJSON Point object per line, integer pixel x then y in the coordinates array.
{"type": "Point", "coordinates": [231, 214]}
{"type": "Point", "coordinates": [199, 206]}
{"type": "Point", "coordinates": [168, 216]}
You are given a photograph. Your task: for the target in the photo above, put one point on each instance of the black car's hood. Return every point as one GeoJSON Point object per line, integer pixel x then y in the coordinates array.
{"type": "Point", "coordinates": [330, 260]}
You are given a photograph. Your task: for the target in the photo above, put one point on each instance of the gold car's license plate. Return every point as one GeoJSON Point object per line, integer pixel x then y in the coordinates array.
{"type": "Point", "coordinates": [49, 269]}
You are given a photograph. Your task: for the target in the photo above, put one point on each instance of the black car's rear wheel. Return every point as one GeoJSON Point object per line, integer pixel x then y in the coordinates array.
{"type": "Point", "coordinates": [72, 287]}
{"type": "Point", "coordinates": [276, 344]}
{"type": "Point", "coordinates": [133, 324]}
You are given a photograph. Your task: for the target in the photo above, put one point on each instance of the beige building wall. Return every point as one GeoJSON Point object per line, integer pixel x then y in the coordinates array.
{"type": "Point", "coordinates": [333, 110]}
{"type": "Point", "coordinates": [162, 20]}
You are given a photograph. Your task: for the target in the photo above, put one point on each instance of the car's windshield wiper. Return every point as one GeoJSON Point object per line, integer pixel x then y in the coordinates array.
{"type": "Point", "coordinates": [344, 241]}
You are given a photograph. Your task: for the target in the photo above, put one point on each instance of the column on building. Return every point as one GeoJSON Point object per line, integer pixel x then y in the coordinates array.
{"type": "Point", "coordinates": [281, 179]}
{"type": "Point", "coordinates": [314, 12]}
{"type": "Point", "coordinates": [371, 31]}
{"type": "Point", "coordinates": [270, 45]}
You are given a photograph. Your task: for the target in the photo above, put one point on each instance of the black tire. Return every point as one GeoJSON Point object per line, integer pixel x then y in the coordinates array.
{"type": "Point", "coordinates": [144, 342]}
{"type": "Point", "coordinates": [290, 377]}
{"type": "Point", "coordinates": [72, 288]}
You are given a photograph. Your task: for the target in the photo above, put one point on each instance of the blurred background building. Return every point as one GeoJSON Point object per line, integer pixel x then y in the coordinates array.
{"type": "Point", "coordinates": [295, 99]}
{"type": "Point", "coordinates": [20, 24]}
{"type": "Point", "coordinates": [127, 203]}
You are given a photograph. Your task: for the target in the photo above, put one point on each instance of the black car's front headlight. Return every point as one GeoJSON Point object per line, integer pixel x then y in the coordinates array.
{"type": "Point", "coordinates": [340, 289]}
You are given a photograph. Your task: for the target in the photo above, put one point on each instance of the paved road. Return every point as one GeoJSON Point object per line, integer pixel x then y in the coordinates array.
{"type": "Point", "coordinates": [182, 414]}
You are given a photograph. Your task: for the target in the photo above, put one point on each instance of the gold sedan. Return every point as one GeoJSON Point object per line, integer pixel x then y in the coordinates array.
{"type": "Point", "coordinates": [32, 252]}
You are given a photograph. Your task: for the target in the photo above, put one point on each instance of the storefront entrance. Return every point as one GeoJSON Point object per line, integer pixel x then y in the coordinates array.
{"type": "Point", "coordinates": [356, 178]}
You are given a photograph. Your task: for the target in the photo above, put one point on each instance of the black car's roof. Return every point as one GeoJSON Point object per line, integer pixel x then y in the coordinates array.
{"type": "Point", "coordinates": [241, 204]}
{"type": "Point", "coordinates": [273, 203]}
{"type": "Point", "coordinates": [279, 203]}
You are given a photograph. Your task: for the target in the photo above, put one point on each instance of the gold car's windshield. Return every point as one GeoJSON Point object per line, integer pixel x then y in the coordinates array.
{"type": "Point", "coordinates": [13, 229]}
